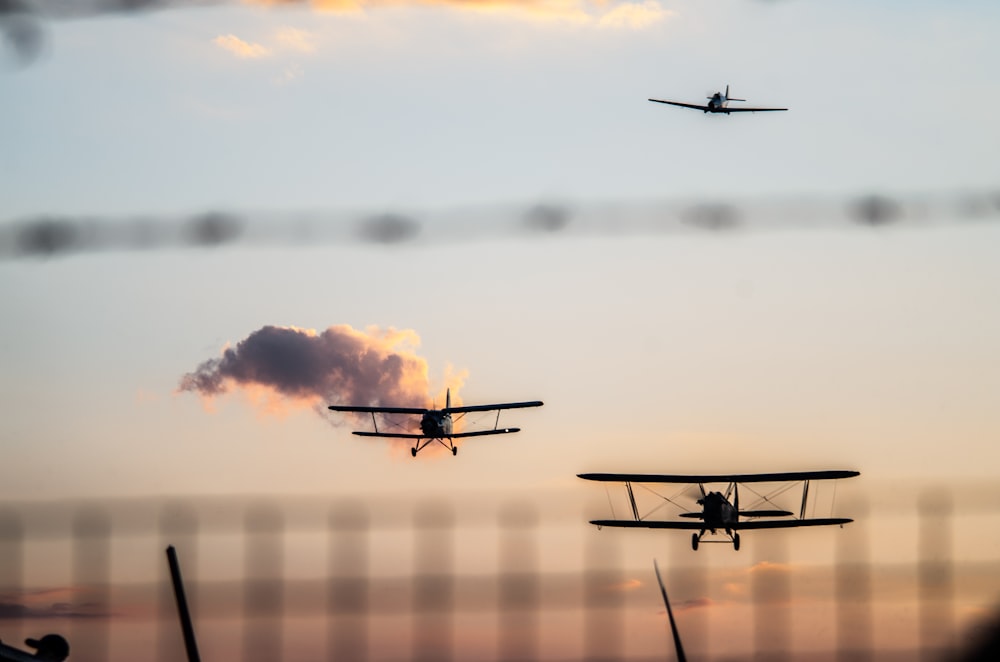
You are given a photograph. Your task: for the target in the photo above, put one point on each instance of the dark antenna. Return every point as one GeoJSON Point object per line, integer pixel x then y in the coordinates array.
{"type": "Point", "coordinates": [670, 614]}
{"type": "Point", "coordinates": [182, 607]}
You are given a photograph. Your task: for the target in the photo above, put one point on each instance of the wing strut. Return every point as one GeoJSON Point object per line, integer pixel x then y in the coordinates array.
{"type": "Point", "coordinates": [373, 422]}
{"type": "Point", "coordinates": [496, 424]}
{"type": "Point", "coordinates": [805, 496]}
{"type": "Point", "coordinates": [631, 500]}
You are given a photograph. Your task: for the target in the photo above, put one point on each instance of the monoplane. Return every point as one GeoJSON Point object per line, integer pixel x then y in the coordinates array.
{"type": "Point", "coordinates": [436, 424]}
{"type": "Point", "coordinates": [718, 103]}
{"type": "Point", "coordinates": [717, 513]}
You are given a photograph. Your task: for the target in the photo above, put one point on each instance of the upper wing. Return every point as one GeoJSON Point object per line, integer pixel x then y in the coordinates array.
{"type": "Point", "coordinates": [503, 405]}
{"type": "Point", "coordinates": [678, 103]}
{"type": "Point", "coordinates": [378, 410]}
{"type": "Point", "coordinates": [751, 110]}
{"type": "Point", "coordinates": [697, 526]}
{"type": "Point", "coordinates": [720, 478]}
{"type": "Point", "coordinates": [791, 523]}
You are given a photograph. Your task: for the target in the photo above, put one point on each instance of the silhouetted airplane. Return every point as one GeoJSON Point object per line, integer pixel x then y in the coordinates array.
{"type": "Point", "coordinates": [717, 513]}
{"type": "Point", "coordinates": [436, 424]}
{"type": "Point", "coordinates": [718, 103]}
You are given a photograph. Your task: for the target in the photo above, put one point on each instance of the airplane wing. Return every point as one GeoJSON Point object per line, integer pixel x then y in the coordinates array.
{"type": "Point", "coordinates": [751, 110]}
{"type": "Point", "coordinates": [698, 526]}
{"type": "Point", "coordinates": [648, 524]}
{"type": "Point", "coordinates": [682, 105]}
{"type": "Point", "coordinates": [719, 478]}
{"type": "Point", "coordinates": [457, 435]}
{"type": "Point", "coordinates": [792, 523]}
{"type": "Point", "coordinates": [378, 410]}
{"type": "Point", "coordinates": [497, 407]}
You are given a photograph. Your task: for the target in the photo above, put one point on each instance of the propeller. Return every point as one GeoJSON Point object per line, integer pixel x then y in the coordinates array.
{"type": "Point", "coordinates": [670, 614]}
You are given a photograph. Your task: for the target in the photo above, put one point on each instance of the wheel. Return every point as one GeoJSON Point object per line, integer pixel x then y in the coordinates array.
{"type": "Point", "coordinates": [736, 542]}
{"type": "Point", "coordinates": [454, 450]}
{"type": "Point", "coordinates": [694, 541]}
{"type": "Point", "coordinates": [413, 452]}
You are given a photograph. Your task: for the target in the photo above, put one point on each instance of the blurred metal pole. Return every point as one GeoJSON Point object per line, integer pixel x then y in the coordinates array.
{"type": "Point", "coordinates": [853, 590]}
{"type": "Point", "coordinates": [348, 598]}
{"type": "Point", "coordinates": [517, 591]}
{"type": "Point", "coordinates": [936, 576]}
{"type": "Point", "coordinates": [263, 604]}
{"type": "Point", "coordinates": [178, 526]}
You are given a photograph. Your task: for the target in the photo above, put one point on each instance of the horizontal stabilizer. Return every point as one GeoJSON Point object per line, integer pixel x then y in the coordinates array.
{"type": "Point", "coordinates": [765, 513]}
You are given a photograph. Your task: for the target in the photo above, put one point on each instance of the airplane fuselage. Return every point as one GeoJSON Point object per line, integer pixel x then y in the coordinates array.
{"type": "Point", "coordinates": [717, 103]}
{"type": "Point", "coordinates": [717, 512]}
{"type": "Point", "coordinates": [436, 424]}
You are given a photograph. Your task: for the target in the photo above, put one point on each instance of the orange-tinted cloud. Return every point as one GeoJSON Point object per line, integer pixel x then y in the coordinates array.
{"type": "Point", "coordinates": [604, 14]}
{"type": "Point", "coordinates": [240, 48]}
{"type": "Point", "coordinates": [279, 368]}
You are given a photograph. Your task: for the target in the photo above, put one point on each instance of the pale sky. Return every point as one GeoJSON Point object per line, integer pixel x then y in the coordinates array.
{"type": "Point", "coordinates": [875, 349]}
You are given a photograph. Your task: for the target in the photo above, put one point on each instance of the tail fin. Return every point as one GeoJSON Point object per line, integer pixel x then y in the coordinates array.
{"type": "Point", "coordinates": [447, 399]}
{"type": "Point", "coordinates": [729, 98]}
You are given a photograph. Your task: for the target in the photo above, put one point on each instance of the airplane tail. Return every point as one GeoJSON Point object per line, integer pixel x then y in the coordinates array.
{"type": "Point", "coordinates": [447, 399]}
{"type": "Point", "coordinates": [729, 98]}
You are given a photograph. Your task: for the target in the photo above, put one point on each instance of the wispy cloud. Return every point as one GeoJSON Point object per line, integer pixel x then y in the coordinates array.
{"type": "Point", "coordinates": [634, 15]}
{"type": "Point", "coordinates": [294, 39]}
{"type": "Point", "coordinates": [240, 48]}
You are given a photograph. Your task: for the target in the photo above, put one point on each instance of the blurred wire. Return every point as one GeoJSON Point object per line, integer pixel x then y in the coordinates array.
{"type": "Point", "coordinates": [47, 236]}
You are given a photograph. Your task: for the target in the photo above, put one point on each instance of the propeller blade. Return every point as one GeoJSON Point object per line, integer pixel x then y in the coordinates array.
{"type": "Point", "coordinates": [670, 614]}
{"type": "Point", "coordinates": [736, 501]}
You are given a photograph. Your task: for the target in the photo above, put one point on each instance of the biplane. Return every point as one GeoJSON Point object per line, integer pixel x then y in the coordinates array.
{"type": "Point", "coordinates": [436, 424]}
{"type": "Point", "coordinates": [717, 513]}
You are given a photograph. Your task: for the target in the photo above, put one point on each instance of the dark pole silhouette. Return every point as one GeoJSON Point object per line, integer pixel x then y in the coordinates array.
{"type": "Point", "coordinates": [182, 607]}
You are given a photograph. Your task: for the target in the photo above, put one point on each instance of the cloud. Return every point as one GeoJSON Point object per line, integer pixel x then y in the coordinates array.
{"type": "Point", "coordinates": [280, 367]}
{"type": "Point", "coordinates": [240, 48]}
{"type": "Point", "coordinates": [296, 40]}
{"type": "Point", "coordinates": [634, 15]}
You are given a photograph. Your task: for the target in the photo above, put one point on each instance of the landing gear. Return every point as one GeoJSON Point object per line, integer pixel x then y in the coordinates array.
{"type": "Point", "coordinates": [695, 539]}
{"type": "Point", "coordinates": [736, 541]}
{"type": "Point", "coordinates": [413, 451]}
{"type": "Point", "coordinates": [454, 450]}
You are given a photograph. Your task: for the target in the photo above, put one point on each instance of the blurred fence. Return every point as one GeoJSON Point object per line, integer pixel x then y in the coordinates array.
{"type": "Point", "coordinates": [312, 579]}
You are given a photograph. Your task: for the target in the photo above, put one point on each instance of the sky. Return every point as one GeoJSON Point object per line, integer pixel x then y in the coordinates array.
{"type": "Point", "coordinates": [806, 346]}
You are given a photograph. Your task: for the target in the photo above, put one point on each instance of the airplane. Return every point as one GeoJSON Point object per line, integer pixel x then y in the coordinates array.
{"type": "Point", "coordinates": [718, 103]}
{"type": "Point", "coordinates": [436, 424]}
{"type": "Point", "coordinates": [717, 512]}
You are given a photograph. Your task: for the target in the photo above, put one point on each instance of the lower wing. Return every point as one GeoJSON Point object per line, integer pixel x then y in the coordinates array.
{"type": "Point", "coordinates": [792, 523]}
{"type": "Point", "coordinates": [678, 103]}
{"type": "Point", "coordinates": [457, 435]}
{"type": "Point", "coordinates": [739, 526]}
